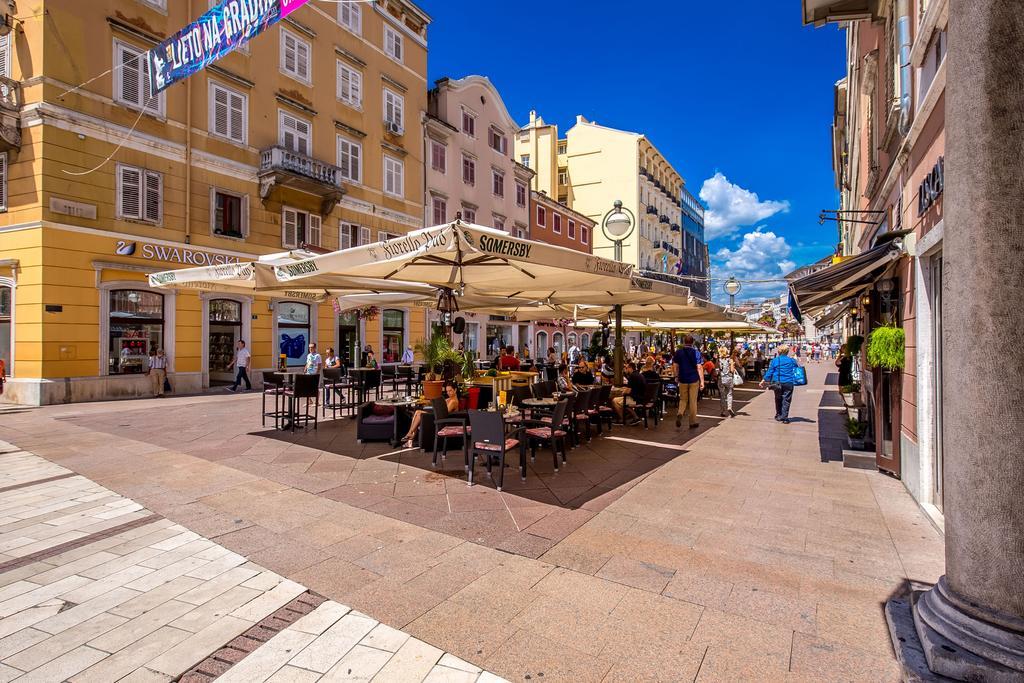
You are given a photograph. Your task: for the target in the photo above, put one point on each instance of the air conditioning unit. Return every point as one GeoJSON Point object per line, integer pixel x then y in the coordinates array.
{"type": "Point", "coordinates": [394, 128]}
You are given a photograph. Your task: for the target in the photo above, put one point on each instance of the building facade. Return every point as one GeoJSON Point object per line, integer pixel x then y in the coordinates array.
{"type": "Point", "coordinates": [695, 261]}
{"type": "Point", "coordinates": [889, 147]}
{"type": "Point", "coordinates": [309, 135]}
{"type": "Point", "coordinates": [469, 164]}
{"type": "Point", "coordinates": [595, 165]}
{"type": "Point", "coordinates": [557, 224]}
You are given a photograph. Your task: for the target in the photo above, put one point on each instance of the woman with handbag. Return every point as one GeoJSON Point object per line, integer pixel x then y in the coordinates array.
{"type": "Point", "coordinates": [781, 376]}
{"type": "Point", "coordinates": [729, 379]}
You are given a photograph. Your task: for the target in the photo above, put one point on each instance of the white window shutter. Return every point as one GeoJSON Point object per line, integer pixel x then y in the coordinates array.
{"type": "Point", "coordinates": [237, 116]}
{"type": "Point", "coordinates": [302, 60]}
{"type": "Point", "coordinates": [289, 55]}
{"type": "Point", "coordinates": [289, 221]}
{"type": "Point", "coordinates": [364, 236]}
{"type": "Point", "coordinates": [221, 125]}
{"type": "Point", "coordinates": [313, 233]}
{"type": "Point", "coordinates": [5, 55]}
{"type": "Point", "coordinates": [345, 236]}
{"type": "Point", "coordinates": [130, 80]}
{"type": "Point", "coordinates": [154, 192]}
{"type": "Point", "coordinates": [131, 192]}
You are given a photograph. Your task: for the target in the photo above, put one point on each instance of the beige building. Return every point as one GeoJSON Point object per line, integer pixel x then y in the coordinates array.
{"type": "Point", "coordinates": [595, 165]}
{"type": "Point", "coordinates": [468, 155]}
{"type": "Point", "coordinates": [308, 135]}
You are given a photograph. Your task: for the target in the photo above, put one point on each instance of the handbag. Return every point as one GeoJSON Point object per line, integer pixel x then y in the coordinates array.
{"type": "Point", "coordinates": [799, 376]}
{"type": "Point", "coordinates": [737, 379]}
{"type": "Point", "coordinates": [167, 384]}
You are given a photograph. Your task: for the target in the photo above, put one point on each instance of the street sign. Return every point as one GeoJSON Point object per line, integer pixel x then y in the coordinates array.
{"type": "Point", "coordinates": [214, 34]}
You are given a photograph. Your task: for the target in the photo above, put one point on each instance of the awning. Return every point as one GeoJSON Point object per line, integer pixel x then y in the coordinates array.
{"type": "Point", "coordinates": [844, 280]}
{"type": "Point", "coordinates": [832, 316]}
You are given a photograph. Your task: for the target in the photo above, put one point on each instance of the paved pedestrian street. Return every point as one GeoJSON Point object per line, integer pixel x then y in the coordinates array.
{"type": "Point", "coordinates": [145, 540]}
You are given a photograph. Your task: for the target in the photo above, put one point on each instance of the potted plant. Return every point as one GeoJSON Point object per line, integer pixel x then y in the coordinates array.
{"type": "Point", "coordinates": [887, 347]}
{"type": "Point", "coordinates": [855, 434]}
{"type": "Point", "coordinates": [435, 352]}
{"type": "Point", "coordinates": [854, 344]}
{"type": "Point", "coordinates": [851, 394]}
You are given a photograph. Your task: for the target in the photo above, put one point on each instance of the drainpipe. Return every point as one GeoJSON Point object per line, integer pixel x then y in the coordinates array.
{"type": "Point", "coordinates": [188, 152]}
{"type": "Point", "coordinates": [903, 36]}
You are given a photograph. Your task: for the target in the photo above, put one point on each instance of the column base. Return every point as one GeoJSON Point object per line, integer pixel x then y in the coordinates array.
{"type": "Point", "coordinates": [935, 641]}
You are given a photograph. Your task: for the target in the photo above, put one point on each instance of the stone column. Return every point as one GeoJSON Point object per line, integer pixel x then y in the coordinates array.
{"type": "Point", "coordinates": [971, 625]}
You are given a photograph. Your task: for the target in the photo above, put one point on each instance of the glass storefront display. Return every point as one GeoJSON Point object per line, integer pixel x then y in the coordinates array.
{"type": "Point", "coordinates": [393, 323]}
{"type": "Point", "coordinates": [5, 326]}
{"type": "Point", "coordinates": [225, 331]}
{"type": "Point", "coordinates": [293, 331]}
{"type": "Point", "coordinates": [348, 338]}
{"type": "Point", "coordinates": [136, 328]}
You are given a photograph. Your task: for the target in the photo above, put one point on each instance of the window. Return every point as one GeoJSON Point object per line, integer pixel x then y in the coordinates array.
{"type": "Point", "coordinates": [5, 56]}
{"type": "Point", "coordinates": [542, 216]}
{"type": "Point", "coordinates": [351, 236]}
{"type": "Point", "coordinates": [468, 123]}
{"type": "Point", "coordinates": [394, 108]}
{"type": "Point", "coordinates": [468, 170]}
{"type": "Point", "coordinates": [350, 15]}
{"type": "Point", "coordinates": [229, 113]}
{"type": "Point", "coordinates": [556, 223]}
{"type": "Point", "coordinates": [299, 228]}
{"type": "Point", "coordinates": [3, 181]}
{"type": "Point", "coordinates": [393, 43]}
{"type": "Point", "coordinates": [520, 194]}
{"type": "Point", "coordinates": [497, 183]}
{"type": "Point", "coordinates": [394, 176]}
{"type": "Point", "coordinates": [563, 176]}
{"type": "Point", "coordinates": [524, 159]}
{"type": "Point", "coordinates": [293, 331]}
{"type": "Point", "coordinates": [440, 210]}
{"type": "Point", "coordinates": [584, 234]}
{"type": "Point", "coordinates": [139, 194]}
{"type": "Point", "coordinates": [350, 85]}
{"type": "Point", "coordinates": [393, 324]}
{"type": "Point", "coordinates": [350, 159]}
{"type": "Point", "coordinates": [384, 236]}
{"type": "Point", "coordinates": [468, 214]}
{"type": "Point", "coordinates": [497, 141]}
{"type": "Point", "coordinates": [158, 4]}
{"type": "Point", "coordinates": [6, 310]}
{"type": "Point", "coordinates": [136, 328]}
{"type": "Point", "coordinates": [561, 147]}
{"type": "Point", "coordinates": [572, 229]}
{"type": "Point", "coordinates": [294, 133]}
{"type": "Point", "coordinates": [229, 213]}
{"type": "Point", "coordinates": [295, 56]}
{"type": "Point", "coordinates": [438, 157]}
{"type": "Point", "coordinates": [131, 81]}
{"type": "Point", "coordinates": [498, 221]}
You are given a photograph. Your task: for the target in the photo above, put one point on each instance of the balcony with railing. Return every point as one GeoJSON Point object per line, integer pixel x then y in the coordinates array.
{"type": "Point", "coordinates": [663, 219]}
{"type": "Point", "coordinates": [10, 115]}
{"type": "Point", "coordinates": [280, 166]}
{"type": "Point", "coordinates": [653, 210]}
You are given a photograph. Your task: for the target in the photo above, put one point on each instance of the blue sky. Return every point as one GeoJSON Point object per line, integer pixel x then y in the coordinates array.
{"type": "Point", "coordinates": [737, 95]}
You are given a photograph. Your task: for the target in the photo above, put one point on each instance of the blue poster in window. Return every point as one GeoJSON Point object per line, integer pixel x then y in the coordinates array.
{"type": "Point", "coordinates": [293, 346]}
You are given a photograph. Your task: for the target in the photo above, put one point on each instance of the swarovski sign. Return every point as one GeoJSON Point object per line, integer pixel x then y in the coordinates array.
{"type": "Point", "coordinates": [931, 187]}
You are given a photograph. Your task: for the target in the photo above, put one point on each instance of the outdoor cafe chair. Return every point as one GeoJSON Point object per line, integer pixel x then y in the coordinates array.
{"type": "Point", "coordinates": [448, 426]}
{"type": "Point", "coordinates": [333, 386]}
{"type": "Point", "coordinates": [648, 406]}
{"type": "Point", "coordinates": [601, 411]}
{"type": "Point", "coordinates": [273, 385]}
{"type": "Point", "coordinates": [489, 441]}
{"type": "Point", "coordinates": [581, 415]}
{"type": "Point", "coordinates": [306, 387]}
{"type": "Point", "coordinates": [537, 431]}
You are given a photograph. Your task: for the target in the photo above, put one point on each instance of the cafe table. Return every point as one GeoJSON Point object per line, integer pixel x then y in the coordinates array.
{"type": "Point", "coordinates": [404, 407]}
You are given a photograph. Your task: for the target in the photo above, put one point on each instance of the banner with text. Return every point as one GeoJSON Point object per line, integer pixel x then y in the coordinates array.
{"type": "Point", "coordinates": [216, 33]}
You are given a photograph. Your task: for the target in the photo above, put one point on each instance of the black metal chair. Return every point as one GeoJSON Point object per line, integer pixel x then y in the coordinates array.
{"type": "Point", "coordinates": [581, 416]}
{"type": "Point", "coordinates": [305, 387]}
{"type": "Point", "coordinates": [605, 411]}
{"type": "Point", "coordinates": [333, 387]}
{"type": "Point", "coordinates": [389, 375]}
{"type": "Point", "coordinates": [273, 385]}
{"type": "Point", "coordinates": [539, 432]}
{"type": "Point", "coordinates": [489, 440]}
{"type": "Point", "coordinates": [648, 405]}
{"type": "Point", "coordinates": [448, 426]}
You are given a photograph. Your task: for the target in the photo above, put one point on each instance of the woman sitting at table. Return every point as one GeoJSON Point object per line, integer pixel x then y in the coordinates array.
{"type": "Point", "coordinates": [451, 400]}
{"type": "Point", "coordinates": [564, 380]}
{"type": "Point", "coordinates": [371, 362]}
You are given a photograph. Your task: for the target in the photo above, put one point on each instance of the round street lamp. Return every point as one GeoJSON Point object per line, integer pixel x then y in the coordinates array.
{"type": "Point", "coordinates": [732, 288]}
{"type": "Point", "coordinates": [617, 226]}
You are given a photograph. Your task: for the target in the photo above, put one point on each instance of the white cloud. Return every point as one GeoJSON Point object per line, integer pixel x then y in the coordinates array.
{"type": "Point", "coordinates": [760, 255]}
{"type": "Point", "coordinates": [731, 207]}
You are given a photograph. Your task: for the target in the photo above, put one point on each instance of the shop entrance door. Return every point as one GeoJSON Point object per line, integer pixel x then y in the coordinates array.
{"type": "Point", "coordinates": [348, 339]}
{"type": "Point", "coordinates": [225, 331]}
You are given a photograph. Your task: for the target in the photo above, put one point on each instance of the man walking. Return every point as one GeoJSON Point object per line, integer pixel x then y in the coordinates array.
{"type": "Point", "coordinates": [158, 372]}
{"type": "Point", "coordinates": [687, 365]}
{"type": "Point", "coordinates": [241, 365]}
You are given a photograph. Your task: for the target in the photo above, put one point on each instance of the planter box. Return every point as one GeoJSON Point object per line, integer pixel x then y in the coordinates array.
{"type": "Point", "coordinates": [852, 400]}
{"type": "Point", "coordinates": [855, 444]}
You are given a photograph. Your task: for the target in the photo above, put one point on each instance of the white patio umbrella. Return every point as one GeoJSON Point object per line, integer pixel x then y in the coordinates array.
{"type": "Point", "coordinates": [467, 260]}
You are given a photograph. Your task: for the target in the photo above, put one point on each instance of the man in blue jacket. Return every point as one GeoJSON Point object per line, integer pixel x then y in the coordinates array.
{"type": "Point", "coordinates": [689, 369]}
{"type": "Point", "coordinates": [781, 374]}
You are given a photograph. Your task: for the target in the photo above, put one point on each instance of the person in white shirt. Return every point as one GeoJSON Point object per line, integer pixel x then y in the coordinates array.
{"type": "Point", "coordinates": [241, 365]}
{"type": "Point", "coordinates": [408, 356]}
{"type": "Point", "coordinates": [314, 361]}
{"type": "Point", "coordinates": [158, 372]}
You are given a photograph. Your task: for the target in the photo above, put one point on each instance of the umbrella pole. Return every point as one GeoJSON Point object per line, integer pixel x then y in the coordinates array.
{"type": "Point", "coordinates": [618, 345]}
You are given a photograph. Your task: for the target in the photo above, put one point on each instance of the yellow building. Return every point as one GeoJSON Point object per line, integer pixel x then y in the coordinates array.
{"type": "Point", "coordinates": [591, 167]}
{"type": "Point", "coordinates": [309, 135]}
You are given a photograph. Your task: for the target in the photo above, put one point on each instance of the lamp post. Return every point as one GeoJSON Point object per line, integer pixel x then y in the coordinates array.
{"type": "Point", "coordinates": [732, 288]}
{"type": "Point", "coordinates": [617, 226]}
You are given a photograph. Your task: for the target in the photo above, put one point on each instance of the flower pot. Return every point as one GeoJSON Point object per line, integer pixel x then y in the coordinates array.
{"type": "Point", "coordinates": [433, 389]}
{"type": "Point", "coordinates": [856, 443]}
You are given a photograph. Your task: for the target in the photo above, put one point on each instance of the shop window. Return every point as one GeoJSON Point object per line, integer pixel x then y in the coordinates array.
{"type": "Point", "coordinates": [6, 310]}
{"type": "Point", "coordinates": [225, 318]}
{"type": "Point", "coordinates": [585, 342]}
{"type": "Point", "coordinates": [230, 211]}
{"type": "Point", "coordinates": [542, 344]}
{"type": "Point", "coordinates": [558, 341]}
{"type": "Point", "coordinates": [136, 328]}
{"type": "Point", "coordinates": [293, 331]}
{"type": "Point", "coordinates": [393, 323]}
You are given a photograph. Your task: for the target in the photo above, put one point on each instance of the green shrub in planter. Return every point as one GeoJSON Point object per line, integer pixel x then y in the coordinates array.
{"type": "Point", "coordinates": [887, 348]}
{"type": "Point", "coordinates": [855, 428]}
{"type": "Point", "coordinates": [850, 388]}
{"type": "Point", "coordinates": [854, 343]}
